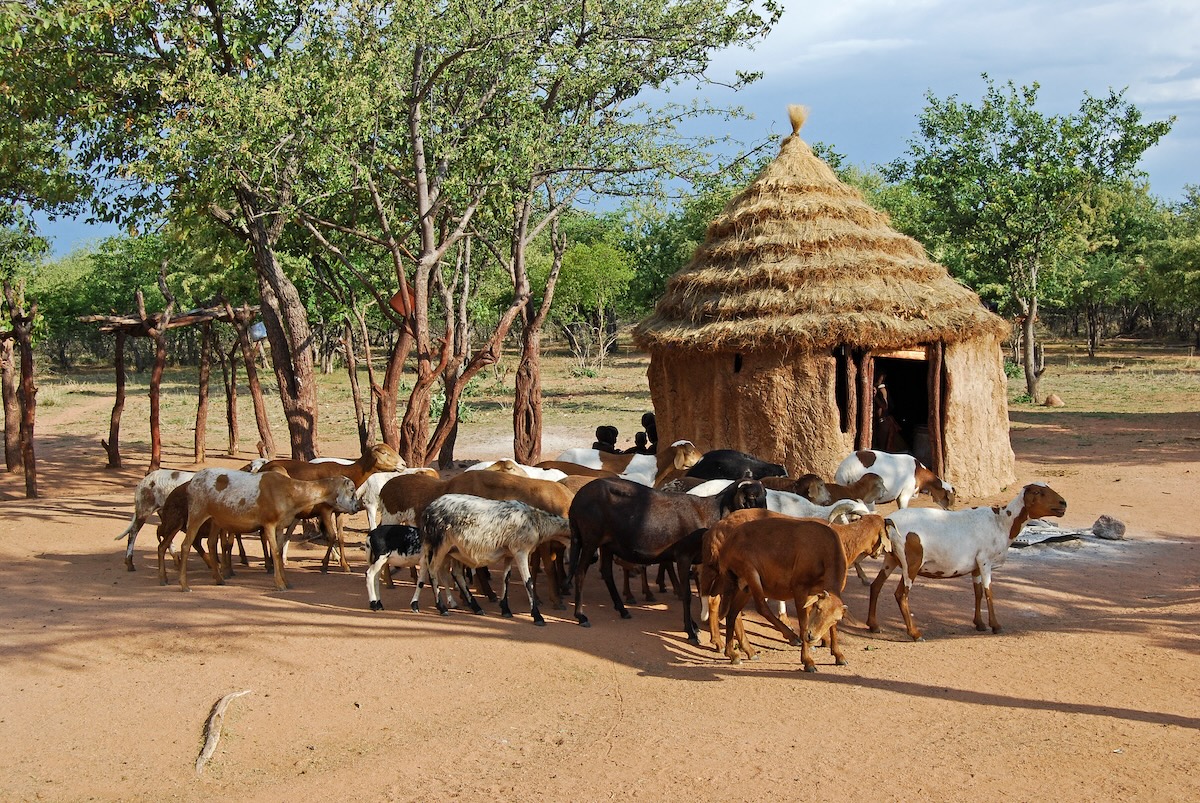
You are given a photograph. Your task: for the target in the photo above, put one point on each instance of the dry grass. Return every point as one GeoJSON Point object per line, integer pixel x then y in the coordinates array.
{"type": "Point", "coordinates": [1126, 377]}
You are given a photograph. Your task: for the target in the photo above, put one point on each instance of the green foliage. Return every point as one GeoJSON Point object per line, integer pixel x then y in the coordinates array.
{"type": "Point", "coordinates": [1000, 187]}
{"type": "Point", "coordinates": [20, 250]}
{"type": "Point", "coordinates": [596, 271]}
{"type": "Point", "coordinates": [998, 191]}
{"type": "Point", "coordinates": [661, 242]}
{"type": "Point", "coordinates": [1174, 259]}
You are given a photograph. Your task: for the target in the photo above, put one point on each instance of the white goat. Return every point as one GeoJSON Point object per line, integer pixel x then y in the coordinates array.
{"type": "Point", "coordinates": [473, 532]}
{"type": "Point", "coordinates": [953, 543]}
{"type": "Point", "coordinates": [148, 498]}
{"type": "Point", "coordinates": [368, 492]}
{"type": "Point", "coordinates": [513, 467]}
{"type": "Point", "coordinates": [793, 504]}
{"type": "Point", "coordinates": [903, 477]}
{"type": "Point", "coordinates": [652, 470]}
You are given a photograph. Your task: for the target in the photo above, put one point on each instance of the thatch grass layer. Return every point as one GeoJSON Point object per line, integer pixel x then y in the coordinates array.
{"type": "Point", "coordinates": [800, 261]}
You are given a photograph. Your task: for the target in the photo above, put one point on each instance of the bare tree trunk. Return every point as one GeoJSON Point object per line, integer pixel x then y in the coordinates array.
{"type": "Point", "coordinates": [371, 412]}
{"type": "Point", "coordinates": [113, 445]}
{"type": "Point", "coordinates": [1028, 350]}
{"type": "Point", "coordinates": [157, 330]}
{"type": "Point", "coordinates": [1093, 328]}
{"type": "Point", "coordinates": [229, 375]}
{"type": "Point", "coordinates": [202, 400]}
{"type": "Point", "coordinates": [241, 321]}
{"type": "Point", "coordinates": [22, 329]}
{"type": "Point", "coordinates": [288, 329]}
{"type": "Point", "coordinates": [360, 414]}
{"type": "Point", "coordinates": [12, 404]}
{"type": "Point", "coordinates": [527, 401]}
{"type": "Point", "coordinates": [388, 394]}
{"type": "Point", "coordinates": [156, 374]}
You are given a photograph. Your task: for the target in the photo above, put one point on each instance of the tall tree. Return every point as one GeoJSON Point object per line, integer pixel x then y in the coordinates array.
{"type": "Point", "coordinates": [1004, 185]}
{"type": "Point", "coordinates": [20, 251]}
{"type": "Point", "coordinates": [1175, 262]}
{"type": "Point", "coordinates": [1105, 263]}
{"type": "Point", "coordinates": [188, 104]}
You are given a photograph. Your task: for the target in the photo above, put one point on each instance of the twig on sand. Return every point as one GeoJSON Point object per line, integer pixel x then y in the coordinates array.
{"type": "Point", "coordinates": [212, 728]}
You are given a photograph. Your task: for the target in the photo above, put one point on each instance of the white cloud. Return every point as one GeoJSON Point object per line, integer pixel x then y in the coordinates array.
{"type": "Point", "coordinates": [1166, 92]}
{"type": "Point", "coordinates": [864, 65]}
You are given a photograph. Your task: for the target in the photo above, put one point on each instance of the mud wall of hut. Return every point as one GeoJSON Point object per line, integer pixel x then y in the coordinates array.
{"type": "Point", "coordinates": [781, 408]}
{"type": "Point", "coordinates": [978, 454]}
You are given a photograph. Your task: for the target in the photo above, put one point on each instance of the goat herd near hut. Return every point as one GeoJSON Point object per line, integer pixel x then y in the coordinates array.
{"type": "Point", "coordinates": [740, 526]}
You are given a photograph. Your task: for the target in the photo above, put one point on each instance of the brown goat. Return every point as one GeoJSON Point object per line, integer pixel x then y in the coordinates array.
{"type": "Point", "coordinates": [173, 519]}
{"type": "Point", "coordinates": [868, 489]}
{"type": "Point", "coordinates": [576, 470]}
{"type": "Point", "coordinates": [810, 486]}
{"type": "Point", "coordinates": [237, 502]}
{"type": "Point", "coordinates": [379, 457]}
{"type": "Point", "coordinates": [866, 536]}
{"type": "Point", "coordinates": [404, 498]}
{"type": "Point", "coordinates": [759, 554]}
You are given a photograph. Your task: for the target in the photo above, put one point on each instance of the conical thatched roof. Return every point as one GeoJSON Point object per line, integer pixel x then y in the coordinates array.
{"type": "Point", "coordinates": [800, 262]}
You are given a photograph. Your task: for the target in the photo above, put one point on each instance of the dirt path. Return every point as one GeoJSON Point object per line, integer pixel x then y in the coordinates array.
{"type": "Point", "coordinates": [1091, 692]}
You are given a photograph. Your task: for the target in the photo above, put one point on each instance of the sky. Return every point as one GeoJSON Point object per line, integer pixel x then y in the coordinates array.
{"type": "Point", "coordinates": [863, 68]}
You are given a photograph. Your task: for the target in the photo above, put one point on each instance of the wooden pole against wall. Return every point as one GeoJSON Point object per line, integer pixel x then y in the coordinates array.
{"type": "Point", "coordinates": [851, 380]}
{"type": "Point", "coordinates": [866, 397]}
{"type": "Point", "coordinates": [936, 363]}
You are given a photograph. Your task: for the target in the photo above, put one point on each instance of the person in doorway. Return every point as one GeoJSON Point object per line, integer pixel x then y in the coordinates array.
{"type": "Point", "coordinates": [886, 435]}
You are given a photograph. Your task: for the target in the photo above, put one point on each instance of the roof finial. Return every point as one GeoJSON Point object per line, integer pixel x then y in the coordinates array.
{"type": "Point", "coordinates": [798, 114]}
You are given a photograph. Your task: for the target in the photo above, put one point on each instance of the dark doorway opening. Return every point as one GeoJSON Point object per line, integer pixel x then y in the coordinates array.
{"type": "Point", "coordinates": [901, 406]}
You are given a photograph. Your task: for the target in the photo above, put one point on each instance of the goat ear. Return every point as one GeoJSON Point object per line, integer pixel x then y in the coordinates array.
{"type": "Point", "coordinates": [811, 601]}
{"type": "Point", "coordinates": [850, 618]}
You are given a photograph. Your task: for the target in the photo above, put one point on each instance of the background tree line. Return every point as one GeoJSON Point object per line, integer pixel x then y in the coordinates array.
{"type": "Point", "coordinates": [418, 181]}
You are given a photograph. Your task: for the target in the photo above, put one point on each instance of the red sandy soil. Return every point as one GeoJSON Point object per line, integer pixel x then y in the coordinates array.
{"type": "Point", "coordinates": [1091, 692]}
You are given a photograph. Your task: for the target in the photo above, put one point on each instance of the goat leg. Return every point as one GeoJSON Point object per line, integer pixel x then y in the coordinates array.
{"type": "Point", "coordinates": [506, 611]}
{"type": "Point", "coordinates": [527, 576]}
{"type": "Point", "coordinates": [483, 581]}
{"type": "Point", "coordinates": [806, 659]}
{"type": "Point", "coordinates": [902, 589]}
{"type": "Point", "coordinates": [606, 572]}
{"type": "Point", "coordinates": [464, 590]}
{"type": "Point", "coordinates": [889, 563]}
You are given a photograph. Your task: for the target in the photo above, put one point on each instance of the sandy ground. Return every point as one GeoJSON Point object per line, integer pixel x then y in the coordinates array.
{"type": "Point", "coordinates": [1091, 692]}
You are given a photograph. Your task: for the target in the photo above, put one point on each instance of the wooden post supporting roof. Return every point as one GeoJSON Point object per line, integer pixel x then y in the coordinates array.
{"type": "Point", "coordinates": [153, 325]}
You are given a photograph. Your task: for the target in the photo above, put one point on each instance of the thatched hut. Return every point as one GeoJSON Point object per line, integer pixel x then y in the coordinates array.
{"type": "Point", "coordinates": [806, 327]}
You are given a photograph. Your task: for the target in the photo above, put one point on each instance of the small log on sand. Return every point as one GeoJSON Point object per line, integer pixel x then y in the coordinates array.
{"type": "Point", "coordinates": [212, 728]}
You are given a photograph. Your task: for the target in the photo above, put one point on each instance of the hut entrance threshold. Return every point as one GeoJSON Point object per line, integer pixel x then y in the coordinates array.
{"type": "Point", "coordinates": [900, 404]}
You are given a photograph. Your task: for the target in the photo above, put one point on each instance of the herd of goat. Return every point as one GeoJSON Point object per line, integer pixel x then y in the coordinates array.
{"type": "Point", "coordinates": [745, 530]}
